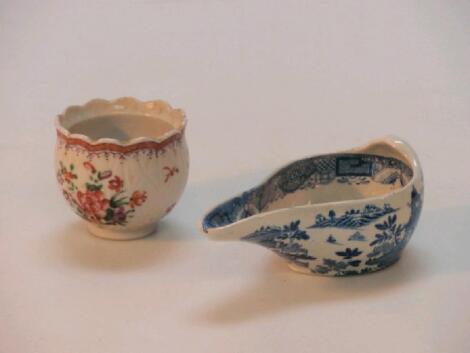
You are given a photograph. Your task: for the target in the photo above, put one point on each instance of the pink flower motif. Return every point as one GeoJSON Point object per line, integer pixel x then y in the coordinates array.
{"type": "Point", "coordinates": [89, 166]}
{"type": "Point", "coordinates": [104, 175]}
{"type": "Point", "coordinates": [93, 204]}
{"type": "Point", "coordinates": [115, 184]}
{"type": "Point", "coordinates": [68, 176]}
{"type": "Point", "coordinates": [137, 198]}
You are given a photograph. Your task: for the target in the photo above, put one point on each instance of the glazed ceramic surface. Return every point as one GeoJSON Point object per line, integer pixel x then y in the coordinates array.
{"type": "Point", "coordinates": [122, 165]}
{"type": "Point", "coordinates": [337, 214]}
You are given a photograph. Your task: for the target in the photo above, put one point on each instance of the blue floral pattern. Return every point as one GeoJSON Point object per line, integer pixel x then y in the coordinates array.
{"type": "Point", "coordinates": [353, 219]}
{"type": "Point", "coordinates": [392, 238]}
{"type": "Point", "coordinates": [357, 236]}
{"type": "Point", "coordinates": [309, 173]}
{"type": "Point", "coordinates": [285, 241]}
{"type": "Point", "coordinates": [332, 240]}
{"type": "Point", "coordinates": [289, 241]}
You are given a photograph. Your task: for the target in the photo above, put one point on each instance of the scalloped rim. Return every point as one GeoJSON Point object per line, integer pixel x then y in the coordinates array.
{"type": "Point", "coordinates": [99, 107]}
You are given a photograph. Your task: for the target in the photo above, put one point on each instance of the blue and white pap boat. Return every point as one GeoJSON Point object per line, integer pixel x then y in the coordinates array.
{"type": "Point", "coordinates": [336, 214]}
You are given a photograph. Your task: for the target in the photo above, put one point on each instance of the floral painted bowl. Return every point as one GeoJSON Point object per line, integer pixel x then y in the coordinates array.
{"type": "Point", "coordinates": [337, 214]}
{"type": "Point", "coordinates": [122, 165]}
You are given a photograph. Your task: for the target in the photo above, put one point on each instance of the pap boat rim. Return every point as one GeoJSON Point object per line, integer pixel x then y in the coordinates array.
{"type": "Point", "coordinates": [411, 160]}
{"type": "Point", "coordinates": [98, 107]}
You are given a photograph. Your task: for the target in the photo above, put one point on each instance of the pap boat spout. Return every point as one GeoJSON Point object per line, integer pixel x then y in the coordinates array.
{"type": "Point", "coordinates": [335, 214]}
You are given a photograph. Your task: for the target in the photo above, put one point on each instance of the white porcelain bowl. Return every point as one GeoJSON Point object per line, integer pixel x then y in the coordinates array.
{"type": "Point", "coordinates": [122, 165]}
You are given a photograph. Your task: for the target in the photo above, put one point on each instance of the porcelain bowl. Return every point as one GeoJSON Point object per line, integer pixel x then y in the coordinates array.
{"type": "Point", "coordinates": [121, 165]}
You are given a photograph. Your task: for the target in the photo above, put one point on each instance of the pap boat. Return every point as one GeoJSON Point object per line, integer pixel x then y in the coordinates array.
{"type": "Point", "coordinates": [335, 214]}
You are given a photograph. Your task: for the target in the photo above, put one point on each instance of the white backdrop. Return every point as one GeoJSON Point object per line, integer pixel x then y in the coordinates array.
{"type": "Point", "coordinates": [262, 82]}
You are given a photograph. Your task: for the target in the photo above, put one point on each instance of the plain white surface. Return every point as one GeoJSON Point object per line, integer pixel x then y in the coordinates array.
{"type": "Point", "coordinates": [263, 82]}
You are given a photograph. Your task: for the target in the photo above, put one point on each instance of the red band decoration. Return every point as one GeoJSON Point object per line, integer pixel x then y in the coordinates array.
{"type": "Point", "coordinates": [112, 147]}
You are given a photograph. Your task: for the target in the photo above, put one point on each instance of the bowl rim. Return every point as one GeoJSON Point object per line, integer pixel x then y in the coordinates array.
{"type": "Point", "coordinates": [408, 156]}
{"type": "Point", "coordinates": [98, 107]}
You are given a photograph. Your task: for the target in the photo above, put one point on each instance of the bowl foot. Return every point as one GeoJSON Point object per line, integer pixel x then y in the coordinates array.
{"type": "Point", "coordinates": [306, 270]}
{"type": "Point", "coordinates": [113, 234]}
